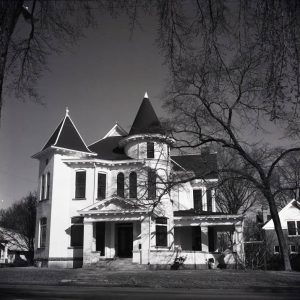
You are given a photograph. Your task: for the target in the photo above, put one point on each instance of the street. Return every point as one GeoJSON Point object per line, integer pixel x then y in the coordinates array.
{"type": "Point", "coordinates": [83, 292]}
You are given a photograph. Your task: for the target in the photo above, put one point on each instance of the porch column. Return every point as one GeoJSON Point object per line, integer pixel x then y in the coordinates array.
{"type": "Point", "coordinates": [88, 242]}
{"type": "Point", "coordinates": [204, 238]}
{"type": "Point", "coordinates": [239, 243]}
{"type": "Point", "coordinates": [145, 239]}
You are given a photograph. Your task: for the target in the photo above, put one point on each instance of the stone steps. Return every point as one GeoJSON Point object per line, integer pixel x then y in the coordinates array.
{"type": "Point", "coordinates": [119, 264]}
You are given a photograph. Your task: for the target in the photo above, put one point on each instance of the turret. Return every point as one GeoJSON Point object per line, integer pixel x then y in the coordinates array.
{"type": "Point", "coordinates": [147, 138]}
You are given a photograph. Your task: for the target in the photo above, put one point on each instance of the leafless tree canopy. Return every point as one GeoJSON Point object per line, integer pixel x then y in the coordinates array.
{"type": "Point", "coordinates": [235, 76]}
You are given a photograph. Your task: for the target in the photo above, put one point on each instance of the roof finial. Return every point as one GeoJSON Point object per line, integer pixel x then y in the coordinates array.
{"type": "Point", "coordinates": [146, 95]}
{"type": "Point", "coordinates": [67, 111]}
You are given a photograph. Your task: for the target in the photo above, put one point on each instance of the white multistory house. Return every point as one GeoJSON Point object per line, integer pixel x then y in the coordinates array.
{"type": "Point", "coordinates": [116, 198]}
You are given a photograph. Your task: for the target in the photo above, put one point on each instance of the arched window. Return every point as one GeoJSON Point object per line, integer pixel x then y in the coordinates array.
{"type": "Point", "coordinates": [151, 184]}
{"type": "Point", "coordinates": [132, 185]}
{"type": "Point", "coordinates": [120, 185]}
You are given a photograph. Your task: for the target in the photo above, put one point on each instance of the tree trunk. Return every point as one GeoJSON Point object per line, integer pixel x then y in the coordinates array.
{"type": "Point", "coordinates": [9, 14]}
{"type": "Point", "coordinates": [278, 229]}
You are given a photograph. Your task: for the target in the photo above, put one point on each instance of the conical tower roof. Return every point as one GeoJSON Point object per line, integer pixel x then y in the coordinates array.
{"type": "Point", "coordinates": [67, 136]}
{"type": "Point", "coordinates": [146, 120]}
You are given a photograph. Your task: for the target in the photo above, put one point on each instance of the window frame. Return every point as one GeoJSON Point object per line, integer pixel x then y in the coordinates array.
{"type": "Point", "coordinates": [209, 200]}
{"type": "Point", "coordinates": [275, 251]}
{"type": "Point", "coordinates": [133, 185]}
{"type": "Point", "coordinates": [161, 232]}
{"type": "Point", "coordinates": [201, 200]}
{"type": "Point", "coordinates": [77, 186]}
{"type": "Point", "coordinates": [296, 228]}
{"type": "Point", "coordinates": [43, 186]}
{"type": "Point", "coordinates": [48, 180]}
{"type": "Point", "coordinates": [290, 248]}
{"type": "Point", "coordinates": [121, 185]}
{"type": "Point", "coordinates": [150, 150]}
{"type": "Point", "coordinates": [42, 232]}
{"type": "Point", "coordinates": [103, 196]}
{"type": "Point", "coordinates": [152, 176]}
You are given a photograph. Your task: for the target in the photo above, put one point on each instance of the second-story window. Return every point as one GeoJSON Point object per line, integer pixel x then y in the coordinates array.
{"type": "Point", "coordinates": [197, 197]}
{"type": "Point", "coordinates": [48, 186]}
{"type": "Point", "coordinates": [209, 199]}
{"type": "Point", "coordinates": [293, 227]}
{"type": "Point", "coordinates": [150, 150]}
{"type": "Point", "coordinates": [120, 185]}
{"type": "Point", "coordinates": [43, 183]}
{"type": "Point", "coordinates": [80, 183]}
{"type": "Point", "coordinates": [151, 184]}
{"type": "Point", "coordinates": [132, 185]}
{"type": "Point", "coordinates": [101, 193]}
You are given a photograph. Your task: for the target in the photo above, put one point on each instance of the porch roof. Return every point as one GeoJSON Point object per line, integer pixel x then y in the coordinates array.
{"type": "Point", "coordinates": [192, 217]}
{"type": "Point", "coordinates": [113, 206]}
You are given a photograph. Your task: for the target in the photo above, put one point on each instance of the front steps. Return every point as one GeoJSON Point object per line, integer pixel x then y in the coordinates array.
{"type": "Point", "coordinates": [118, 264]}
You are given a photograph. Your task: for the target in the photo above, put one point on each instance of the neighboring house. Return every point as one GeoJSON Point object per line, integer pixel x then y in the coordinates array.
{"type": "Point", "coordinates": [13, 249]}
{"type": "Point", "coordinates": [290, 222]}
{"type": "Point", "coordinates": [107, 200]}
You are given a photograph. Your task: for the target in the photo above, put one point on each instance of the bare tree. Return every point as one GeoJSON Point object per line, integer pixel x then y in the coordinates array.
{"type": "Point", "coordinates": [30, 31]}
{"type": "Point", "coordinates": [235, 78]}
{"type": "Point", "coordinates": [20, 219]}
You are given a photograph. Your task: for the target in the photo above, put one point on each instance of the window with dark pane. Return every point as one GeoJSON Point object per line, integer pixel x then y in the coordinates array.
{"type": "Point", "coordinates": [209, 199]}
{"type": "Point", "coordinates": [291, 227]}
{"type": "Point", "coordinates": [276, 249]}
{"type": "Point", "coordinates": [133, 185]}
{"type": "Point", "coordinates": [151, 184]}
{"type": "Point", "coordinates": [120, 185]}
{"type": "Point", "coordinates": [43, 187]}
{"type": "Point", "coordinates": [77, 232]}
{"type": "Point", "coordinates": [161, 229]}
{"type": "Point", "coordinates": [150, 150]}
{"type": "Point", "coordinates": [43, 232]}
{"type": "Point", "coordinates": [80, 184]}
{"type": "Point", "coordinates": [298, 227]}
{"type": "Point", "coordinates": [197, 197]}
{"type": "Point", "coordinates": [101, 193]}
{"type": "Point", "coordinates": [48, 186]}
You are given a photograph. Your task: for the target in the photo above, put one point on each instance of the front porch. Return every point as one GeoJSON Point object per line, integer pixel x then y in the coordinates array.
{"type": "Point", "coordinates": [148, 240]}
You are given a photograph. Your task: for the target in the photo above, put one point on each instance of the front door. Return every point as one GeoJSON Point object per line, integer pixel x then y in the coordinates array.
{"type": "Point", "coordinates": [124, 240]}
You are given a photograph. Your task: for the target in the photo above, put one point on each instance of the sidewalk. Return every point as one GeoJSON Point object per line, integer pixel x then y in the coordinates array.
{"type": "Point", "coordinates": [203, 279]}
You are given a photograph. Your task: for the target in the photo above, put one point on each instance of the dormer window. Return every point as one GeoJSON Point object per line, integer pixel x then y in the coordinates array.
{"type": "Point", "coordinates": [150, 150]}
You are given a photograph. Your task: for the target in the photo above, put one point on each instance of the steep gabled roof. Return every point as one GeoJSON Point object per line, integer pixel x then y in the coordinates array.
{"type": "Point", "coordinates": [146, 120]}
{"type": "Point", "coordinates": [203, 165]}
{"type": "Point", "coordinates": [67, 136]}
{"type": "Point", "coordinates": [108, 148]}
{"type": "Point", "coordinates": [290, 212]}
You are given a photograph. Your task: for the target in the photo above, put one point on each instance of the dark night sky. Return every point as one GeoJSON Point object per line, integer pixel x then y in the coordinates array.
{"type": "Point", "coordinates": [103, 80]}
